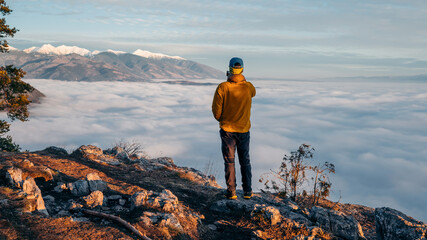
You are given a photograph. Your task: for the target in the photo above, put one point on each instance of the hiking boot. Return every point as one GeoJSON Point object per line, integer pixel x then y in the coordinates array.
{"type": "Point", "coordinates": [248, 195]}
{"type": "Point", "coordinates": [230, 195]}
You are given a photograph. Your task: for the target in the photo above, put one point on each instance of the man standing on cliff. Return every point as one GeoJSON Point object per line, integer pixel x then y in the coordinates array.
{"type": "Point", "coordinates": [231, 106]}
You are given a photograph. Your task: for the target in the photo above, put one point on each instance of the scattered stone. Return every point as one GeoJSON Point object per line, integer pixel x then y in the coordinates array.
{"type": "Point", "coordinates": [14, 176]}
{"type": "Point", "coordinates": [338, 223]}
{"type": "Point", "coordinates": [122, 202]}
{"type": "Point", "coordinates": [74, 205]}
{"type": "Point", "coordinates": [94, 199]}
{"type": "Point", "coordinates": [33, 192]}
{"type": "Point", "coordinates": [79, 188]}
{"type": "Point", "coordinates": [109, 160]}
{"type": "Point", "coordinates": [94, 153]}
{"type": "Point", "coordinates": [49, 198]}
{"type": "Point", "coordinates": [394, 225]}
{"type": "Point", "coordinates": [299, 218]}
{"type": "Point", "coordinates": [212, 227]}
{"type": "Point", "coordinates": [164, 160]}
{"type": "Point", "coordinates": [154, 217]}
{"type": "Point", "coordinates": [114, 151]}
{"type": "Point", "coordinates": [40, 206]}
{"type": "Point", "coordinates": [114, 197]}
{"type": "Point", "coordinates": [139, 199]}
{"type": "Point", "coordinates": [169, 220]}
{"type": "Point", "coordinates": [80, 219]}
{"type": "Point", "coordinates": [63, 213]}
{"type": "Point", "coordinates": [4, 202]}
{"type": "Point", "coordinates": [166, 200]}
{"type": "Point", "coordinates": [47, 174]}
{"type": "Point", "coordinates": [60, 187]}
{"type": "Point", "coordinates": [268, 213]}
{"type": "Point", "coordinates": [123, 156]}
{"type": "Point", "coordinates": [87, 151]}
{"type": "Point", "coordinates": [227, 206]}
{"type": "Point", "coordinates": [27, 163]}
{"type": "Point", "coordinates": [56, 151]}
{"type": "Point", "coordinates": [96, 183]}
{"type": "Point", "coordinates": [119, 208]}
{"type": "Point", "coordinates": [146, 221]}
{"type": "Point", "coordinates": [30, 187]}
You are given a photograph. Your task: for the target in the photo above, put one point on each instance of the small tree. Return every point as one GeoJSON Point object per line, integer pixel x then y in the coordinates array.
{"type": "Point", "coordinates": [292, 175]}
{"type": "Point", "coordinates": [321, 184]}
{"type": "Point", "coordinates": [13, 91]}
{"type": "Point", "coordinates": [298, 166]}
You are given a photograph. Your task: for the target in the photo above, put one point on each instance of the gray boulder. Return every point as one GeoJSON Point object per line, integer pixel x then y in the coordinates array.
{"type": "Point", "coordinates": [394, 225]}
{"type": "Point", "coordinates": [60, 187]}
{"type": "Point", "coordinates": [227, 206]}
{"type": "Point", "coordinates": [139, 199]}
{"type": "Point", "coordinates": [123, 156]}
{"type": "Point", "coordinates": [337, 223]}
{"type": "Point", "coordinates": [87, 151]}
{"type": "Point", "coordinates": [165, 200]}
{"type": "Point", "coordinates": [268, 213]}
{"type": "Point", "coordinates": [96, 154]}
{"type": "Point", "coordinates": [94, 199]}
{"type": "Point", "coordinates": [171, 221]}
{"type": "Point", "coordinates": [114, 151]}
{"type": "Point", "coordinates": [96, 183]}
{"type": "Point", "coordinates": [118, 153]}
{"type": "Point", "coordinates": [40, 206]}
{"type": "Point", "coordinates": [30, 187]}
{"type": "Point", "coordinates": [79, 188]}
{"type": "Point", "coordinates": [56, 151]}
{"type": "Point", "coordinates": [14, 176]}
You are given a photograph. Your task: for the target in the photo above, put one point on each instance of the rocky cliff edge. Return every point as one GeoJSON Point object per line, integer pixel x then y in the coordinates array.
{"type": "Point", "coordinates": [96, 194]}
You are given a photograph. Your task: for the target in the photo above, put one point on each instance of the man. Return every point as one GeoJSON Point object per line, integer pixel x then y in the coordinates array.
{"type": "Point", "coordinates": [231, 106]}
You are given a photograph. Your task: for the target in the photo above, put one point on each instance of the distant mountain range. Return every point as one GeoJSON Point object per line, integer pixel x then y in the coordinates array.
{"type": "Point", "coordinates": [79, 64]}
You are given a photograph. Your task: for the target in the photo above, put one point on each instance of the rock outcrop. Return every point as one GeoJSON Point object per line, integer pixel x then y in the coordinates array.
{"type": "Point", "coordinates": [168, 201]}
{"type": "Point", "coordinates": [338, 223]}
{"type": "Point", "coordinates": [394, 225]}
{"type": "Point", "coordinates": [14, 176]}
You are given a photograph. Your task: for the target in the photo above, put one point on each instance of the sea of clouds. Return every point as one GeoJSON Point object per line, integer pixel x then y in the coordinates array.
{"type": "Point", "coordinates": [374, 132]}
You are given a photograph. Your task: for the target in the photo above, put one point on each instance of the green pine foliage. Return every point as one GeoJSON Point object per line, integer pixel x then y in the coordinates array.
{"type": "Point", "coordinates": [13, 91]}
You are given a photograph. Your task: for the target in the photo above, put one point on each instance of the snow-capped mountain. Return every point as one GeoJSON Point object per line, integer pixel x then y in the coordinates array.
{"type": "Point", "coordinates": [80, 64]}
{"type": "Point", "coordinates": [64, 50]}
{"type": "Point", "coordinates": [147, 54]}
{"type": "Point", "coordinates": [60, 50]}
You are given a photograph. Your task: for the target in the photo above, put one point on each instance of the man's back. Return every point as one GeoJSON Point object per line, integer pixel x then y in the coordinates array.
{"type": "Point", "coordinates": [232, 104]}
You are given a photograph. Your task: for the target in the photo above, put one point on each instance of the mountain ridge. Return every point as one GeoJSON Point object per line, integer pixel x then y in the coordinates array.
{"type": "Point", "coordinates": [78, 64]}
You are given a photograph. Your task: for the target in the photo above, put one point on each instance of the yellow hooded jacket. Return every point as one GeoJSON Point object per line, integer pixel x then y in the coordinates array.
{"type": "Point", "coordinates": [232, 102]}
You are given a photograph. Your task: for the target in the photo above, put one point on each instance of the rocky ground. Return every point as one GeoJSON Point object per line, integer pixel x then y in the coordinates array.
{"type": "Point", "coordinates": [96, 194]}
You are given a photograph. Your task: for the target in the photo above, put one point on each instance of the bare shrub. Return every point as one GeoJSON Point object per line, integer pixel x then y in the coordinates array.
{"type": "Point", "coordinates": [290, 179]}
{"type": "Point", "coordinates": [132, 148]}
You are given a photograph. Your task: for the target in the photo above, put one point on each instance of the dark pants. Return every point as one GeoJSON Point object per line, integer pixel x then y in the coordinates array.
{"type": "Point", "coordinates": [229, 142]}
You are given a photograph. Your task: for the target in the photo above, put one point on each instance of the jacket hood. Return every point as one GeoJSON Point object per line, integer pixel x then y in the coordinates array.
{"type": "Point", "coordinates": [236, 78]}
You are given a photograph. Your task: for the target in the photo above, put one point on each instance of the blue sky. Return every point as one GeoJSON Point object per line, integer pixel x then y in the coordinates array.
{"type": "Point", "coordinates": [277, 38]}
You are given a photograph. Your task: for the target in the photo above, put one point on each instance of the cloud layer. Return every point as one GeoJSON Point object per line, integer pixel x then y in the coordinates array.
{"type": "Point", "coordinates": [373, 132]}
